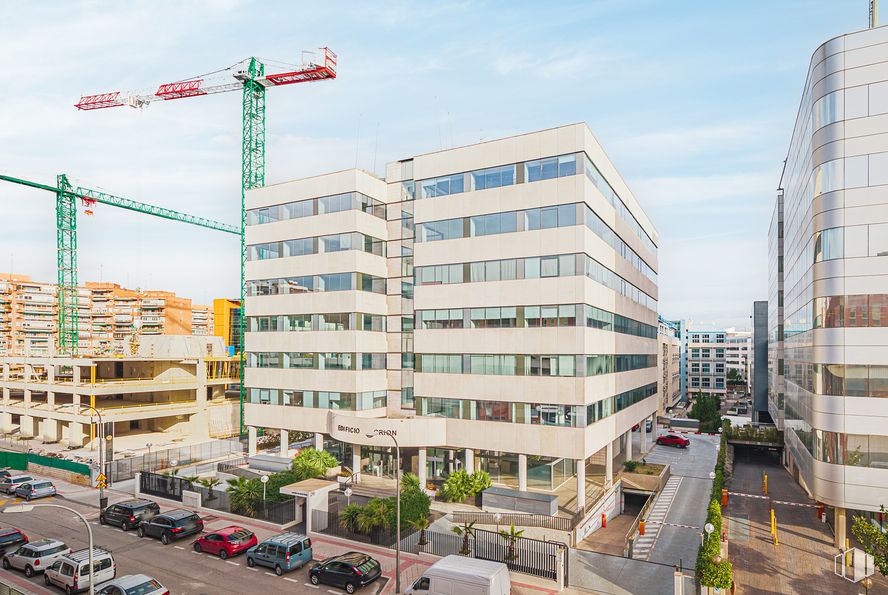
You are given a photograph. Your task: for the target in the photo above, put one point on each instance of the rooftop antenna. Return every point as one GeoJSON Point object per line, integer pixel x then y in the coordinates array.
{"type": "Point", "coordinates": [873, 14]}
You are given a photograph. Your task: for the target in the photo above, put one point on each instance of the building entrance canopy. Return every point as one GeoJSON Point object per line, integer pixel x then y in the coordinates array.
{"type": "Point", "coordinates": [414, 432]}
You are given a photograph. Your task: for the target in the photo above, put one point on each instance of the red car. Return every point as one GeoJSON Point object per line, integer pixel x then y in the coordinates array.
{"type": "Point", "coordinates": [226, 542]}
{"type": "Point", "coordinates": [676, 440]}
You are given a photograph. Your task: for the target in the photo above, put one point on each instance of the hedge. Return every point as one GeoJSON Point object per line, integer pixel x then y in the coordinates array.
{"type": "Point", "coordinates": [710, 574]}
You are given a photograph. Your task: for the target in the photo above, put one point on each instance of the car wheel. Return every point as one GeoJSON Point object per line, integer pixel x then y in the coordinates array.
{"type": "Point", "coordinates": [124, 526]}
{"type": "Point", "coordinates": [141, 532]}
{"type": "Point", "coordinates": [223, 554]}
{"type": "Point", "coordinates": [314, 579]}
{"type": "Point", "coordinates": [46, 580]}
{"type": "Point", "coordinates": [28, 498]}
{"type": "Point", "coordinates": [6, 564]}
{"type": "Point", "coordinates": [349, 588]}
{"type": "Point", "coordinates": [29, 572]}
{"type": "Point", "coordinates": [101, 519]}
{"type": "Point", "coordinates": [278, 570]}
{"type": "Point", "coordinates": [164, 539]}
{"type": "Point", "coordinates": [251, 562]}
{"type": "Point", "coordinates": [197, 548]}
{"type": "Point", "coordinates": [69, 590]}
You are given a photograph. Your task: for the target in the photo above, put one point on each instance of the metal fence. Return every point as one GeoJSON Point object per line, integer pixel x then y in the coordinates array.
{"type": "Point", "coordinates": [163, 486]}
{"type": "Point", "coordinates": [528, 556]}
{"type": "Point", "coordinates": [7, 590]}
{"type": "Point", "coordinates": [519, 520]}
{"type": "Point", "coordinates": [126, 468]}
{"type": "Point", "coordinates": [280, 513]}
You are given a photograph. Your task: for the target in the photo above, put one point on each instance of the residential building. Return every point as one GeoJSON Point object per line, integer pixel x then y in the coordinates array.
{"type": "Point", "coordinates": [706, 365]}
{"type": "Point", "coordinates": [835, 261]}
{"type": "Point", "coordinates": [108, 316]}
{"type": "Point", "coordinates": [759, 363]}
{"type": "Point", "coordinates": [776, 384]}
{"type": "Point", "coordinates": [668, 365]}
{"type": "Point", "coordinates": [490, 307]}
{"type": "Point", "coordinates": [227, 321]}
{"type": "Point", "coordinates": [171, 388]}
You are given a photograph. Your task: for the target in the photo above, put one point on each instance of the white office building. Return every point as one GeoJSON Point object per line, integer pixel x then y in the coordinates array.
{"type": "Point", "coordinates": [491, 307]}
{"type": "Point", "coordinates": [830, 232]}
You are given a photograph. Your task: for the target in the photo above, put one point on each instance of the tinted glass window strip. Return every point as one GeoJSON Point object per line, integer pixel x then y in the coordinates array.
{"type": "Point", "coordinates": [313, 283]}
{"type": "Point", "coordinates": [343, 321]}
{"type": "Point", "coordinates": [316, 206]}
{"type": "Point", "coordinates": [318, 399]}
{"type": "Point", "coordinates": [316, 245]}
{"type": "Point", "coordinates": [532, 365]}
{"type": "Point", "coordinates": [536, 267]}
{"type": "Point", "coordinates": [532, 219]}
{"type": "Point", "coordinates": [316, 361]}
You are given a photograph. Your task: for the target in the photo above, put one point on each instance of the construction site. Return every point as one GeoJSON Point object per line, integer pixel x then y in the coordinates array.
{"type": "Point", "coordinates": [147, 367]}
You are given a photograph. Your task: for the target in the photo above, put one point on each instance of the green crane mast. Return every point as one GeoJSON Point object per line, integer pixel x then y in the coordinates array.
{"type": "Point", "coordinates": [250, 78]}
{"type": "Point", "coordinates": [66, 244]}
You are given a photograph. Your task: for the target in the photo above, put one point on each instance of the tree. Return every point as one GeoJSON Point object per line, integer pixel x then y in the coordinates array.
{"type": "Point", "coordinates": [372, 516]}
{"type": "Point", "coordinates": [420, 524]}
{"type": "Point", "coordinates": [466, 531]}
{"type": "Point", "coordinates": [410, 482]}
{"type": "Point", "coordinates": [244, 495]}
{"type": "Point", "coordinates": [872, 540]}
{"type": "Point", "coordinates": [311, 463]}
{"type": "Point", "coordinates": [512, 537]}
{"type": "Point", "coordinates": [459, 485]}
{"type": "Point", "coordinates": [348, 518]}
{"type": "Point", "coordinates": [210, 483]}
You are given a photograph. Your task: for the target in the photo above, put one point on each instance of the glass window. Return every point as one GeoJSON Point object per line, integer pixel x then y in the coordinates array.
{"type": "Point", "coordinates": [878, 239]}
{"type": "Point", "coordinates": [532, 268]}
{"type": "Point", "coordinates": [493, 177]}
{"type": "Point", "coordinates": [549, 266]}
{"type": "Point", "coordinates": [532, 219]}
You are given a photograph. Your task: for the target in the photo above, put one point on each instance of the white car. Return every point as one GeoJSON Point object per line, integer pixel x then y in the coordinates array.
{"type": "Point", "coordinates": [133, 584]}
{"type": "Point", "coordinates": [36, 556]}
{"type": "Point", "coordinates": [71, 571]}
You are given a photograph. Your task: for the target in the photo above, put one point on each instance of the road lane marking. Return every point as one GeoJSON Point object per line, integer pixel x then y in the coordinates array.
{"type": "Point", "coordinates": [179, 547]}
{"type": "Point", "coordinates": [292, 580]}
{"type": "Point", "coordinates": [270, 574]}
{"type": "Point", "coordinates": [230, 562]}
{"type": "Point", "coordinates": [311, 585]}
{"type": "Point", "coordinates": [332, 591]}
{"type": "Point", "coordinates": [196, 553]}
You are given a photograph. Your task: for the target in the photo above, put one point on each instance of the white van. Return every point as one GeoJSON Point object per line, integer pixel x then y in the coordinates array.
{"type": "Point", "coordinates": [71, 571]}
{"type": "Point", "coordinates": [465, 576]}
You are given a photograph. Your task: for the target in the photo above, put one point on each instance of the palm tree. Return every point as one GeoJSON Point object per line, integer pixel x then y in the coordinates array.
{"type": "Point", "coordinates": [373, 516]}
{"type": "Point", "coordinates": [512, 536]}
{"type": "Point", "coordinates": [348, 518]}
{"type": "Point", "coordinates": [410, 483]}
{"type": "Point", "coordinates": [244, 495]}
{"type": "Point", "coordinates": [466, 531]}
{"type": "Point", "coordinates": [420, 524]}
{"type": "Point", "coordinates": [210, 483]}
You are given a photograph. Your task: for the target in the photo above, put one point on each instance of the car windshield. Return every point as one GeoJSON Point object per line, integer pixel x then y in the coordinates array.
{"type": "Point", "coordinates": [186, 521]}
{"type": "Point", "coordinates": [239, 536]}
{"type": "Point", "coordinates": [145, 588]}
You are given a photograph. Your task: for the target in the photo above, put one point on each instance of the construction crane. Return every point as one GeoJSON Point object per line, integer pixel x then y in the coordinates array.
{"type": "Point", "coordinates": [66, 243]}
{"type": "Point", "coordinates": [249, 78]}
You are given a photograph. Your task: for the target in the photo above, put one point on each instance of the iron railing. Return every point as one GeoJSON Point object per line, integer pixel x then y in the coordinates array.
{"type": "Point", "coordinates": [519, 520]}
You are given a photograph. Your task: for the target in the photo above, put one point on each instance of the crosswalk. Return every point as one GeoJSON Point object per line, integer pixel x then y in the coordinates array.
{"type": "Point", "coordinates": [655, 519]}
{"type": "Point", "coordinates": [9, 500]}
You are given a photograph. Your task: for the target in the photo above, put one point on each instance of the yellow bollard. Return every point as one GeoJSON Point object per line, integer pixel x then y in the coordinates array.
{"type": "Point", "coordinates": [765, 484]}
{"type": "Point", "coordinates": [848, 558]}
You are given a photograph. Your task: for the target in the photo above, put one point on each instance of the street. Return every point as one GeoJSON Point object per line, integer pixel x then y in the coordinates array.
{"type": "Point", "coordinates": [177, 566]}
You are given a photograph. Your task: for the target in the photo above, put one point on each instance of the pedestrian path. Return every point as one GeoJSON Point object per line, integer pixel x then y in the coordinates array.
{"type": "Point", "coordinates": [655, 519]}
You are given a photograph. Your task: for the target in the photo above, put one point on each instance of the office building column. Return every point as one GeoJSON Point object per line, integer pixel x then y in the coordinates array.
{"type": "Point", "coordinates": [251, 441]}
{"type": "Point", "coordinates": [581, 485]}
{"type": "Point", "coordinates": [522, 472]}
{"type": "Point", "coordinates": [609, 465]}
{"type": "Point", "coordinates": [318, 441]}
{"type": "Point", "coordinates": [839, 525]}
{"type": "Point", "coordinates": [421, 472]}
{"type": "Point", "coordinates": [470, 460]}
{"type": "Point", "coordinates": [285, 444]}
{"type": "Point", "coordinates": [356, 462]}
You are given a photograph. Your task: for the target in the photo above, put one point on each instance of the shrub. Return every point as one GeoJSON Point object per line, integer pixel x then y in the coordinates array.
{"type": "Point", "coordinates": [480, 482]}
{"type": "Point", "coordinates": [459, 485]}
{"type": "Point", "coordinates": [630, 466]}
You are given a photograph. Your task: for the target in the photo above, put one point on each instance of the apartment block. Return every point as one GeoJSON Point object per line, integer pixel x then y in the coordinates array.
{"type": "Point", "coordinates": [829, 239]}
{"type": "Point", "coordinates": [108, 316]}
{"type": "Point", "coordinates": [227, 321]}
{"type": "Point", "coordinates": [738, 348]}
{"type": "Point", "coordinates": [489, 307]}
{"type": "Point", "coordinates": [171, 389]}
{"type": "Point", "coordinates": [668, 365]}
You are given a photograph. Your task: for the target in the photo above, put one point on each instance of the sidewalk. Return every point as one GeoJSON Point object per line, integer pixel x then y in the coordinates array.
{"type": "Point", "coordinates": [802, 562]}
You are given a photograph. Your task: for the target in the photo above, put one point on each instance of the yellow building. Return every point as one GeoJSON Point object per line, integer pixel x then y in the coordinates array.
{"type": "Point", "coordinates": [227, 320]}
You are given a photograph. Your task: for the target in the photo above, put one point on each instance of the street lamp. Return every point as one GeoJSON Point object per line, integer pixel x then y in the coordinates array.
{"type": "Point", "coordinates": [397, 506]}
{"type": "Point", "coordinates": [103, 501]}
{"type": "Point", "coordinates": [30, 507]}
{"type": "Point", "coordinates": [149, 445]}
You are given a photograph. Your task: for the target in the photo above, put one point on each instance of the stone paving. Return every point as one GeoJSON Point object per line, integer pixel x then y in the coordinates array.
{"type": "Point", "coordinates": [802, 562]}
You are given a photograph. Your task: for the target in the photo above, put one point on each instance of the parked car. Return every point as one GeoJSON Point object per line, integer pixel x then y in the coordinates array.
{"type": "Point", "coordinates": [133, 584]}
{"type": "Point", "coordinates": [35, 489]}
{"type": "Point", "coordinates": [676, 440]}
{"type": "Point", "coordinates": [36, 556]}
{"type": "Point", "coordinates": [283, 552]}
{"type": "Point", "coordinates": [71, 571]}
{"type": "Point", "coordinates": [226, 542]}
{"type": "Point", "coordinates": [458, 574]}
{"type": "Point", "coordinates": [11, 538]}
{"type": "Point", "coordinates": [348, 571]}
{"type": "Point", "coordinates": [171, 525]}
{"type": "Point", "coordinates": [5, 472]}
{"type": "Point", "coordinates": [129, 513]}
{"type": "Point", "coordinates": [8, 485]}
{"type": "Point", "coordinates": [648, 426]}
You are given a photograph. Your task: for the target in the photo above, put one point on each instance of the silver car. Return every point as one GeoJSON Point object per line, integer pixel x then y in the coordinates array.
{"type": "Point", "coordinates": [8, 485]}
{"type": "Point", "coordinates": [35, 489]}
{"type": "Point", "coordinates": [36, 556]}
{"type": "Point", "coordinates": [133, 584]}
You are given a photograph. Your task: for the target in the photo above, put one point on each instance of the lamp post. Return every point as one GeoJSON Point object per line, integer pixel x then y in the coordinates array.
{"type": "Point", "coordinates": [151, 468]}
{"type": "Point", "coordinates": [397, 506]}
{"type": "Point", "coordinates": [30, 507]}
{"type": "Point", "coordinates": [103, 501]}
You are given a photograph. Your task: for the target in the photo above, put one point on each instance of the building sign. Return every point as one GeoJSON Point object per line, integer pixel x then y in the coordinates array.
{"type": "Point", "coordinates": [413, 432]}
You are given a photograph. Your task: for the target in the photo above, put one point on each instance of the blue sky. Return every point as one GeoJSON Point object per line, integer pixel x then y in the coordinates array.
{"type": "Point", "coordinates": [693, 101]}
